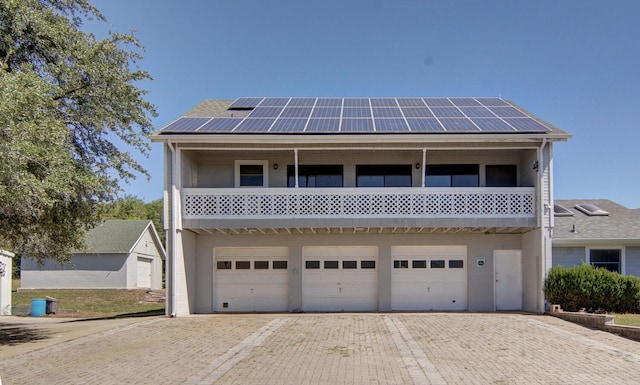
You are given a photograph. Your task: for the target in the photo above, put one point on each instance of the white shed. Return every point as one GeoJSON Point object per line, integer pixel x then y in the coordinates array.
{"type": "Point", "coordinates": [120, 254]}
{"type": "Point", "coordinates": [5, 281]}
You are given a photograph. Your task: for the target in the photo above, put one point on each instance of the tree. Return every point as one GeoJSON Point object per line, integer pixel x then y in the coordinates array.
{"type": "Point", "coordinates": [132, 207]}
{"type": "Point", "coordinates": [66, 97]}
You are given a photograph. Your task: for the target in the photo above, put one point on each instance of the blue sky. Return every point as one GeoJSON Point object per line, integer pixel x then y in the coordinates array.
{"type": "Point", "coordinates": [573, 63]}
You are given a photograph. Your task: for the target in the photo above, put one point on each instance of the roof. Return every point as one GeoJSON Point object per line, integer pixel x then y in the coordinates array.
{"type": "Point", "coordinates": [621, 225]}
{"type": "Point", "coordinates": [396, 116]}
{"type": "Point", "coordinates": [117, 236]}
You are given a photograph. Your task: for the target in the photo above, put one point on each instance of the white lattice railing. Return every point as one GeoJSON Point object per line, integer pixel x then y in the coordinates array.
{"type": "Point", "coordinates": [198, 203]}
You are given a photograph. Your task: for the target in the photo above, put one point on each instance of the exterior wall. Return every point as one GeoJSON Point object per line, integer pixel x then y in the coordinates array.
{"type": "Point", "coordinates": [533, 258]}
{"type": "Point", "coordinates": [104, 271]}
{"type": "Point", "coordinates": [633, 261]}
{"type": "Point", "coordinates": [569, 256]}
{"type": "Point", "coordinates": [6, 264]}
{"type": "Point", "coordinates": [199, 262]}
{"type": "Point", "coordinates": [145, 248]}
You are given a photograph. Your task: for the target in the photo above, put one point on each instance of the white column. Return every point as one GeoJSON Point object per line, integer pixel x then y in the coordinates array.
{"type": "Point", "coordinates": [295, 153]}
{"type": "Point", "coordinates": [424, 167]}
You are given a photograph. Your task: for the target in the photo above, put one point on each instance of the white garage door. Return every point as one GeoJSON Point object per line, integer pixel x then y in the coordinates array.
{"type": "Point", "coordinates": [251, 279]}
{"type": "Point", "coordinates": [143, 273]}
{"type": "Point", "coordinates": [340, 278]}
{"type": "Point", "coordinates": [429, 278]}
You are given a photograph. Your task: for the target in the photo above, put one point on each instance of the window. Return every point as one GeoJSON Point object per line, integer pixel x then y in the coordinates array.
{"type": "Point", "coordinates": [383, 175]}
{"type": "Point", "coordinates": [243, 265]}
{"type": "Point", "coordinates": [315, 176]}
{"type": "Point", "coordinates": [452, 175]}
{"type": "Point", "coordinates": [561, 211]}
{"type": "Point", "coordinates": [502, 176]}
{"type": "Point", "coordinates": [280, 265]}
{"type": "Point", "coordinates": [330, 264]}
{"type": "Point", "coordinates": [223, 265]}
{"type": "Point", "coordinates": [437, 264]}
{"type": "Point", "coordinates": [607, 259]}
{"type": "Point", "coordinates": [261, 265]}
{"type": "Point", "coordinates": [367, 264]}
{"type": "Point", "coordinates": [591, 210]}
{"type": "Point", "coordinates": [349, 264]}
{"type": "Point", "coordinates": [251, 173]}
{"type": "Point", "coordinates": [419, 264]}
{"type": "Point", "coordinates": [312, 264]}
{"type": "Point", "coordinates": [400, 264]}
{"type": "Point", "coordinates": [456, 264]}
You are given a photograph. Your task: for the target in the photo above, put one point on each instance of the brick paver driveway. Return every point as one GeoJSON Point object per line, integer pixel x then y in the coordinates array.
{"type": "Point", "coordinates": [431, 348]}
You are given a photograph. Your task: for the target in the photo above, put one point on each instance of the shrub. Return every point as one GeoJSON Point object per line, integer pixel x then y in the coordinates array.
{"type": "Point", "coordinates": [593, 289]}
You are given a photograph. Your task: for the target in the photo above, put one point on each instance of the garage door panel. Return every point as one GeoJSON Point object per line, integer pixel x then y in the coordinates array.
{"type": "Point", "coordinates": [429, 278]}
{"type": "Point", "coordinates": [251, 279]}
{"type": "Point", "coordinates": [143, 268]}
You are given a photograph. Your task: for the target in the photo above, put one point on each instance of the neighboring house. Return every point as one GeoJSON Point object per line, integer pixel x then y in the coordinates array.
{"type": "Point", "coordinates": [120, 254]}
{"type": "Point", "coordinates": [6, 270]}
{"type": "Point", "coordinates": [357, 204]}
{"type": "Point", "coordinates": [599, 232]}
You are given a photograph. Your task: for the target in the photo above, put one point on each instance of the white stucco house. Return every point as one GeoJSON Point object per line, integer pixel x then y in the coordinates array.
{"type": "Point", "coordinates": [357, 204]}
{"type": "Point", "coordinates": [600, 232]}
{"type": "Point", "coordinates": [120, 254]}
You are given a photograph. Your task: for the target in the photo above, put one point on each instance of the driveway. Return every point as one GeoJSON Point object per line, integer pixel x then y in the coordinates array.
{"type": "Point", "coordinates": [394, 348]}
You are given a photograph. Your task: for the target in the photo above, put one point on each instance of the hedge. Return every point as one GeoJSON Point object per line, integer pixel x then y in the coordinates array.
{"type": "Point", "coordinates": [592, 289]}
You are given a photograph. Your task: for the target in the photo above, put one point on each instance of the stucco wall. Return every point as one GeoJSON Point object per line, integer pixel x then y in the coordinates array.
{"type": "Point", "coordinates": [198, 267]}
{"type": "Point", "coordinates": [83, 272]}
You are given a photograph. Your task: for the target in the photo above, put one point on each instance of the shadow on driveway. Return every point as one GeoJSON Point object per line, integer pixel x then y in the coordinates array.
{"type": "Point", "coordinates": [16, 334]}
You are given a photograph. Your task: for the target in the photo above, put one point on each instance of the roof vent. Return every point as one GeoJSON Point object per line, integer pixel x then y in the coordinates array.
{"type": "Point", "coordinates": [561, 211]}
{"type": "Point", "coordinates": [591, 210]}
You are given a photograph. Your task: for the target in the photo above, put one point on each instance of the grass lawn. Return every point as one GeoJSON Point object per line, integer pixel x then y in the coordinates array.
{"type": "Point", "coordinates": [89, 303]}
{"type": "Point", "coordinates": [627, 319]}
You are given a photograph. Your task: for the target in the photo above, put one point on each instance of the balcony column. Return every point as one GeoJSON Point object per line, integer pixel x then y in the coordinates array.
{"type": "Point", "coordinates": [295, 156]}
{"type": "Point", "coordinates": [424, 168]}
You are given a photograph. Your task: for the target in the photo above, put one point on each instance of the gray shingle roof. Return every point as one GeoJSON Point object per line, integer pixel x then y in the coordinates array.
{"type": "Point", "coordinates": [114, 236]}
{"type": "Point", "coordinates": [621, 224]}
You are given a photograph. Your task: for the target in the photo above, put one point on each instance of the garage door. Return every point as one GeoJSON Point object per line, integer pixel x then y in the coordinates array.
{"type": "Point", "coordinates": [144, 273]}
{"type": "Point", "coordinates": [251, 279]}
{"type": "Point", "coordinates": [429, 278]}
{"type": "Point", "coordinates": [340, 278]}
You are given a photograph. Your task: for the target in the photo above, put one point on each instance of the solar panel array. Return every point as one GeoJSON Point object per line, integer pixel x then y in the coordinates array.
{"type": "Point", "coordinates": [364, 115]}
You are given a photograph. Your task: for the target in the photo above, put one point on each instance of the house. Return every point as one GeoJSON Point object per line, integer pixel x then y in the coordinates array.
{"type": "Point", "coordinates": [120, 254]}
{"type": "Point", "coordinates": [6, 269]}
{"type": "Point", "coordinates": [357, 204]}
{"type": "Point", "coordinates": [599, 232]}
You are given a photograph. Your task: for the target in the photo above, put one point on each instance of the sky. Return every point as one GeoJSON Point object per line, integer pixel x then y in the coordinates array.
{"type": "Point", "coordinates": [573, 63]}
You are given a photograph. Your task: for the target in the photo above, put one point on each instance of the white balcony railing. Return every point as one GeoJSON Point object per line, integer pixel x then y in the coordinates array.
{"type": "Point", "coordinates": [264, 203]}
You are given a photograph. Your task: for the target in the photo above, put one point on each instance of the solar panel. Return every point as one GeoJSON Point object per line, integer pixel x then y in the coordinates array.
{"type": "Point", "coordinates": [245, 103]}
{"type": "Point", "coordinates": [458, 124]}
{"type": "Point", "coordinates": [220, 125]}
{"type": "Point", "coordinates": [363, 115]}
{"type": "Point", "coordinates": [447, 112]}
{"type": "Point", "coordinates": [391, 125]}
{"type": "Point", "coordinates": [185, 125]}
{"type": "Point", "coordinates": [357, 125]}
{"type": "Point", "coordinates": [422, 125]}
{"type": "Point", "coordinates": [417, 112]}
{"type": "Point", "coordinates": [492, 124]}
{"type": "Point", "coordinates": [386, 112]}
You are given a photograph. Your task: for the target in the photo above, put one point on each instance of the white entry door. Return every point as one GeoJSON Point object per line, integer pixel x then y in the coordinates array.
{"type": "Point", "coordinates": [340, 278]}
{"type": "Point", "coordinates": [249, 279]}
{"type": "Point", "coordinates": [143, 268]}
{"type": "Point", "coordinates": [429, 278]}
{"type": "Point", "coordinates": [508, 279]}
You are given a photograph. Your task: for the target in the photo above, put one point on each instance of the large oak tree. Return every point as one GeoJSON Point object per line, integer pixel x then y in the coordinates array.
{"type": "Point", "coordinates": [66, 98]}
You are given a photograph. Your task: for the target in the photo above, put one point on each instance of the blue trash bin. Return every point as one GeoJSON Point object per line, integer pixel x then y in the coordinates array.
{"type": "Point", "coordinates": [38, 307]}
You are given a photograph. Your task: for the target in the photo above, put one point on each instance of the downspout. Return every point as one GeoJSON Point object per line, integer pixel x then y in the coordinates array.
{"type": "Point", "coordinates": [541, 224]}
{"type": "Point", "coordinates": [172, 231]}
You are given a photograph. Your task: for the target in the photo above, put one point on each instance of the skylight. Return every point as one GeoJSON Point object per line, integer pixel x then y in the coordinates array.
{"type": "Point", "coordinates": [561, 211]}
{"type": "Point", "coordinates": [591, 210]}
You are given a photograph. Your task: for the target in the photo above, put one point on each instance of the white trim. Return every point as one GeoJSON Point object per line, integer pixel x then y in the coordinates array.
{"type": "Point", "coordinates": [265, 172]}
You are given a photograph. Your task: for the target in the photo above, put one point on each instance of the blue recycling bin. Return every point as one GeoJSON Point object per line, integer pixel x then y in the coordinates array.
{"type": "Point", "coordinates": [38, 307]}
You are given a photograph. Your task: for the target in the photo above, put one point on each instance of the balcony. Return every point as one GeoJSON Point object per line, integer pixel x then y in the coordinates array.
{"type": "Point", "coordinates": [337, 207]}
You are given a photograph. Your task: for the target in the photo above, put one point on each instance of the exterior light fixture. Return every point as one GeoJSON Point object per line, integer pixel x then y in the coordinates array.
{"type": "Point", "coordinates": [275, 166]}
{"type": "Point", "coordinates": [417, 166]}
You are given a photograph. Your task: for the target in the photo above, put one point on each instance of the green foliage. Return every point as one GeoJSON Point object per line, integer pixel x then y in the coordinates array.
{"type": "Point", "coordinates": [65, 97]}
{"type": "Point", "coordinates": [593, 289]}
{"type": "Point", "coordinates": [132, 207]}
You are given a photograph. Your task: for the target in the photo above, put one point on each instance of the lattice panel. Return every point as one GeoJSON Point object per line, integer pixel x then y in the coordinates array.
{"type": "Point", "coordinates": [351, 203]}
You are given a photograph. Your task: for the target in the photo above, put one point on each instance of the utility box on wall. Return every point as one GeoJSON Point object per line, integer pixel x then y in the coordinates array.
{"type": "Point", "coordinates": [6, 268]}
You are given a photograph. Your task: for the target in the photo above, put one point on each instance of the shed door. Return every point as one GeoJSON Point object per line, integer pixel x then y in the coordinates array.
{"type": "Point", "coordinates": [340, 278]}
{"type": "Point", "coordinates": [429, 278]}
{"type": "Point", "coordinates": [144, 273]}
{"type": "Point", "coordinates": [249, 279]}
